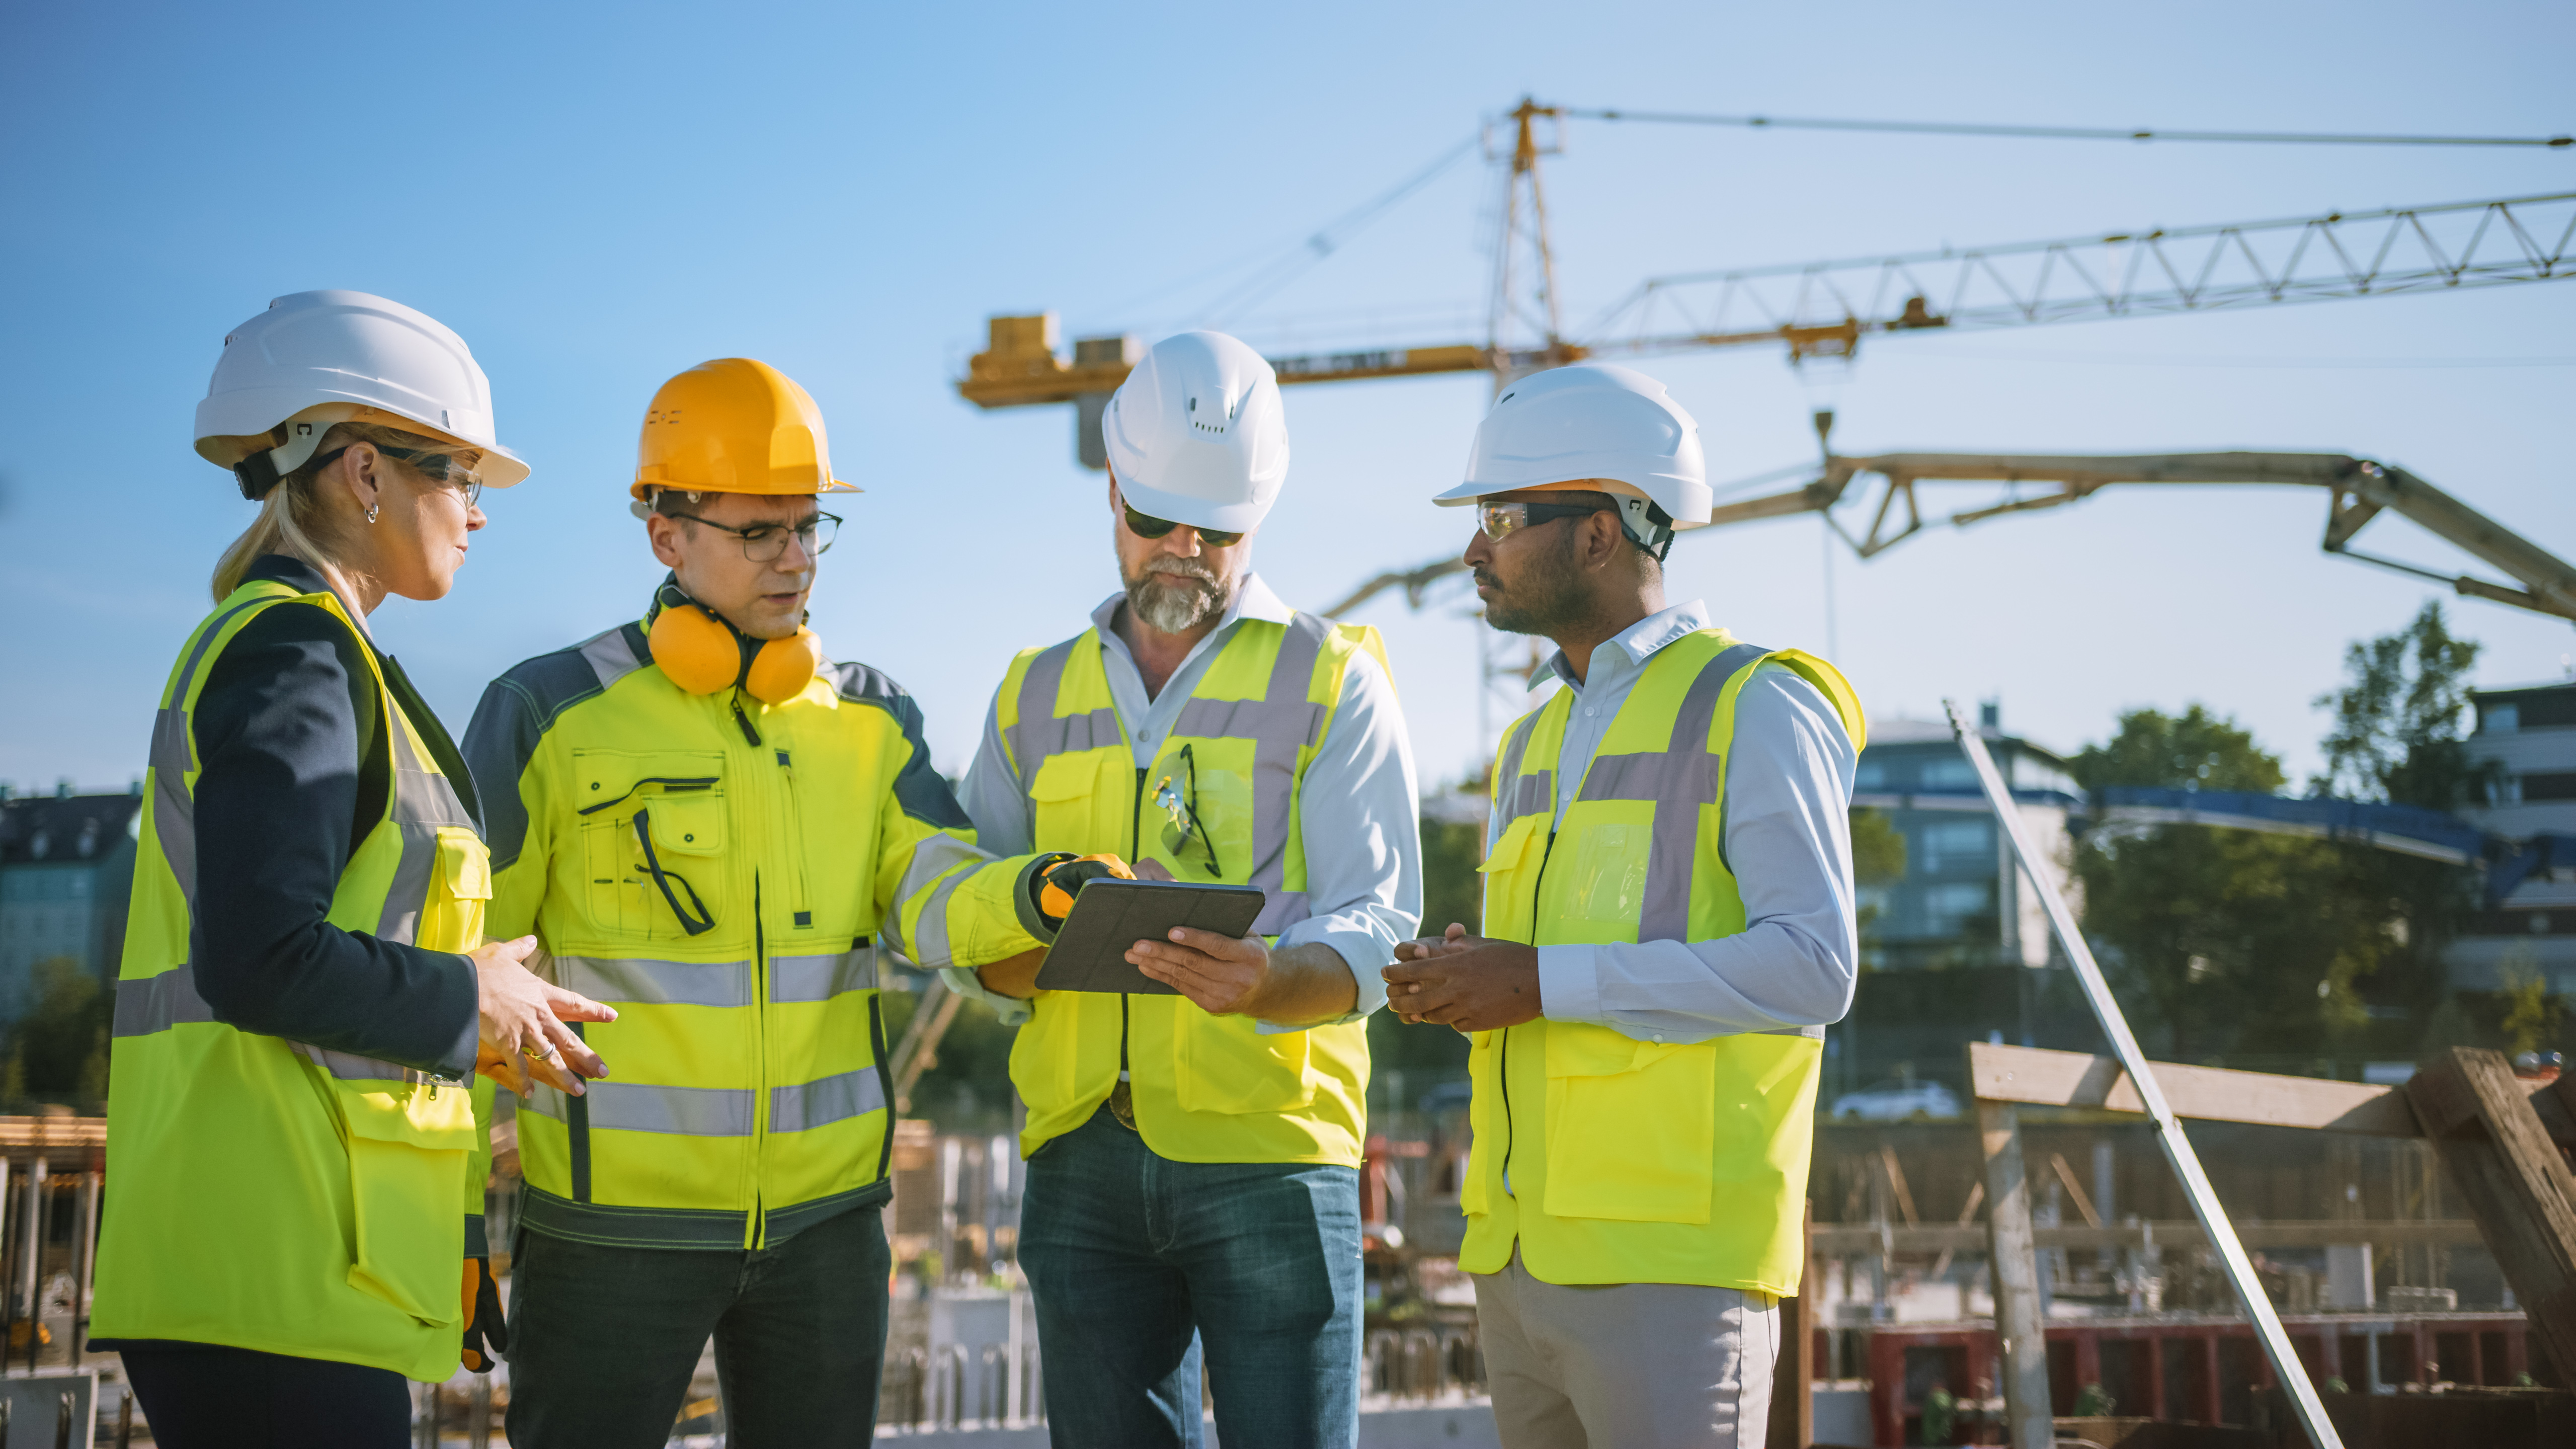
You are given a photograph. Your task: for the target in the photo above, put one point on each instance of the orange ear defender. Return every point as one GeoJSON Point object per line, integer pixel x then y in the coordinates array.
{"type": "Point", "coordinates": [702, 653]}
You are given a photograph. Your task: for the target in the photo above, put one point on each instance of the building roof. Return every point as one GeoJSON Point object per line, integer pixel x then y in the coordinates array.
{"type": "Point", "coordinates": [2553, 686]}
{"type": "Point", "coordinates": [59, 828]}
{"type": "Point", "coordinates": [1899, 730]}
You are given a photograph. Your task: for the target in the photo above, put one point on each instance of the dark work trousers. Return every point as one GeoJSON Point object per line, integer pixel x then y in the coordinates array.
{"type": "Point", "coordinates": [203, 1396]}
{"type": "Point", "coordinates": [603, 1339]}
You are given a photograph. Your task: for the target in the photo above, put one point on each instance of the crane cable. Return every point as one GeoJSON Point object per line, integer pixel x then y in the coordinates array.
{"type": "Point", "coordinates": [2060, 133]}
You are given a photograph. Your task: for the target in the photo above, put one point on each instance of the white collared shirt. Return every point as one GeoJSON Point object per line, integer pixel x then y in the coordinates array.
{"type": "Point", "coordinates": [1358, 807]}
{"type": "Point", "coordinates": [1786, 835]}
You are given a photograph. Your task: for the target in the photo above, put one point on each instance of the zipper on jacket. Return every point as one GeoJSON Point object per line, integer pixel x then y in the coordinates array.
{"type": "Point", "coordinates": [793, 823]}
{"type": "Point", "coordinates": [1135, 834]}
{"type": "Point", "coordinates": [757, 1229]}
{"type": "Point", "coordinates": [750, 735]}
{"type": "Point", "coordinates": [1503, 1072]}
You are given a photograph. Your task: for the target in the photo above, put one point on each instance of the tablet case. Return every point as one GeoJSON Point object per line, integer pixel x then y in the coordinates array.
{"type": "Point", "coordinates": [1111, 915]}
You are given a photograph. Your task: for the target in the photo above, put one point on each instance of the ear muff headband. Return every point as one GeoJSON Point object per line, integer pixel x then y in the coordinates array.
{"type": "Point", "coordinates": [703, 653]}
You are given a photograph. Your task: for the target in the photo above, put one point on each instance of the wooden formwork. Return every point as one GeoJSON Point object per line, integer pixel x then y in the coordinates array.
{"type": "Point", "coordinates": [2502, 1138]}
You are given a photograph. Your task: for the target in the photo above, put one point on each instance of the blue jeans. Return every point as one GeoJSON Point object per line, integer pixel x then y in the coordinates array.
{"type": "Point", "coordinates": [1139, 1264]}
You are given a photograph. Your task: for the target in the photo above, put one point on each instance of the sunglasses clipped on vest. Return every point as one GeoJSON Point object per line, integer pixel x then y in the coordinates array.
{"type": "Point", "coordinates": [702, 652]}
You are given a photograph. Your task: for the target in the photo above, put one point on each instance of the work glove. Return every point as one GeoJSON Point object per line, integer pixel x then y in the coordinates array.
{"type": "Point", "coordinates": [487, 1334]}
{"type": "Point", "coordinates": [1054, 886]}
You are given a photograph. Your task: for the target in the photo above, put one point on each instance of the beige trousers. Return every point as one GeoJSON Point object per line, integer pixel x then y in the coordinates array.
{"type": "Point", "coordinates": [1627, 1365]}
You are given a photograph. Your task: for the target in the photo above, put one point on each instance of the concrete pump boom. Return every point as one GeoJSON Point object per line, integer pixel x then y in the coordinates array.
{"type": "Point", "coordinates": [2357, 491]}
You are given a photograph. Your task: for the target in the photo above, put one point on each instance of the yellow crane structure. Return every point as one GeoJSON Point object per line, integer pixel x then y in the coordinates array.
{"type": "Point", "coordinates": [1825, 308]}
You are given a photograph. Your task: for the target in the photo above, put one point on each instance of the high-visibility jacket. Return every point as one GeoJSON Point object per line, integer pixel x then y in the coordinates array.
{"type": "Point", "coordinates": [1205, 1088]}
{"type": "Point", "coordinates": [721, 871]}
{"type": "Point", "coordinates": [1606, 1158]}
{"type": "Point", "coordinates": [272, 1195]}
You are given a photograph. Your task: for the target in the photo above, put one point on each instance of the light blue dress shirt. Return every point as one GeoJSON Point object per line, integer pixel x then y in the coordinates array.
{"type": "Point", "coordinates": [1359, 807]}
{"type": "Point", "coordinates": [1785, 833]}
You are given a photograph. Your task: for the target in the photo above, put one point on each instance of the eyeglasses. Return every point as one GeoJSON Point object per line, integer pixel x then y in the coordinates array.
{"type": "Point", "coordinates": [1184, 812]}
{"type": "Point", "coordinates": [1502, 520]}
{"type": "Point", "coordinates": [1146, 526]}
{"type": "Point", "coordinates": [764, 542]}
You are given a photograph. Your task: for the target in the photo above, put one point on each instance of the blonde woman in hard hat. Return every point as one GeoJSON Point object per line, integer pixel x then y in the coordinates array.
{"type": "Point", "coordinates": [306, 993]}
{"type": "Point", "coordinates": [1668, 929]}
{"type": "Point", "coordinates": [711, 826]}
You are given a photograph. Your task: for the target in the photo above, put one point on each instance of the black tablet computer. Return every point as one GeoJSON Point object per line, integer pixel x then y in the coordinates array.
{"type": "Point", "coordinates": [1110, 916]}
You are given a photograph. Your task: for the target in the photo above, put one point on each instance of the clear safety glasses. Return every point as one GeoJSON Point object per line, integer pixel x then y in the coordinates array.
{"type": "Point", "coordinates": [1501, 520]}
{"type": "Point", "coordinates": [1182, 805]}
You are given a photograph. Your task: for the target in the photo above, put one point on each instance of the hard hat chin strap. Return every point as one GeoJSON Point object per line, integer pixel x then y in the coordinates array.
{"type": "Point", "coordinates": [1638, 518]}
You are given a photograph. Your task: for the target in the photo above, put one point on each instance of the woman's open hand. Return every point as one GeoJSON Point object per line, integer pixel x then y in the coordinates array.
{"type": "Point", "coordinates": [523, 1015]}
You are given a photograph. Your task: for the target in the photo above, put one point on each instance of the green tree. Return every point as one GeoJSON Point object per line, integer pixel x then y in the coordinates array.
{"type": "Point", "coordinates": [1878, 861]}
{"type": "Point", "coordinates": [2530, 1017]}
{"type": "Point", "coordinates": [2396, 734]}
{"type": "Point", "coordinates": [2397, 737]}
{"type": "Point", "coordinates": [2231, 940]}
{"type": "Point", "coordinates": [59, 1051]}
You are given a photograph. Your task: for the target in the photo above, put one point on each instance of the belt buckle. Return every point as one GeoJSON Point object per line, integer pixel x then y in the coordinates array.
{"type": "Point", "coordinates": [1122, 1105]}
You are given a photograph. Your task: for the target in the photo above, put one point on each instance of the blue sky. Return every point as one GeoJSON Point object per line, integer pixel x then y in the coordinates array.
{"type": "Point", "coordinates": [597, 197]}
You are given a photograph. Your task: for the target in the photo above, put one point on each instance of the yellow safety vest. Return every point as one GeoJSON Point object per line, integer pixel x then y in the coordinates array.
{"type": "Point", "coordinates": [720, 871]}
{"type": "Point", "coordinates": [1205, 1088]}
{"type": "Point", "coordinates": [1606, 1158]}
{"type": "Point", "coordinates": [271, 1195]}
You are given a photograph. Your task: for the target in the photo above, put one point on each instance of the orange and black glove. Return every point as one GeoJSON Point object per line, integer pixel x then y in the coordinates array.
{"type": "Point", "coordinates": [487, 1334]}
{"type": "Point", "coordinates": [1054, 886]}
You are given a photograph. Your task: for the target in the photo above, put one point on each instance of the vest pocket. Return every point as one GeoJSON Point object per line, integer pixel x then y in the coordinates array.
{"type": "Point", "coordinates": [408, 1154]}
{"type": "Point", "coordinates": [1072, 802]}
{"type": "Point", "coordinates": [1631, 1127]}
{"type": "Point", "coordinates": [459, 890]}
{"type": "Point", "coordinates": [1485, 1127]}
{"type": "Point", "coordinates": [1226, 1064]}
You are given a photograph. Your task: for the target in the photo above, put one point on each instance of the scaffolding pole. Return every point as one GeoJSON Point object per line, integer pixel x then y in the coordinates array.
{"type": "Point", "coordinates": [2286, 1367]}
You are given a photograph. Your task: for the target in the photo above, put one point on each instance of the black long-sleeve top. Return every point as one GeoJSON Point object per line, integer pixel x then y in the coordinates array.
{"type": "Point", "coordinates": [292, 776]}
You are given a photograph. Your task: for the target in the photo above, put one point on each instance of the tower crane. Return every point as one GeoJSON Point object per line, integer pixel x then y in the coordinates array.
{"type": "Point", "coordinates": [1823, 309]}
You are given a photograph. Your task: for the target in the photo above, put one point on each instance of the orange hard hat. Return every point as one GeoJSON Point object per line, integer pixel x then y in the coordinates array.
{"type": "Point", "coordinates": [734, 425]}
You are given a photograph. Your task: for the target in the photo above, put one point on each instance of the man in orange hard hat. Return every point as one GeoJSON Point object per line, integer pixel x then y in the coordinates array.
{"type": "Point", "coordinates": [709, 825]}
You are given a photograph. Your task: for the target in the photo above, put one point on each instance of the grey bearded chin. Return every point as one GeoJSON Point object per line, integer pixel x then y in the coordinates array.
{"type": "Point", "coordinates": [1174, 600]}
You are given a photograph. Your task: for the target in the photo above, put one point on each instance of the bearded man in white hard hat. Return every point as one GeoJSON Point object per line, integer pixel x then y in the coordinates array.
{"type": "Point", "coordinates": [1668, 928]}
{"type": "Point", "coordinates": [1193, 1178]}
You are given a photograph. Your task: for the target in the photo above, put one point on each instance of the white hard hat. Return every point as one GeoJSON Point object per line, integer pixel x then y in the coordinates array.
{"type": "Point", "coordinates": [1196, 434]}
{"type": "Point", "coordinates": [1592, 423]}
{"type": "Point", "coordinates": [318, 358]}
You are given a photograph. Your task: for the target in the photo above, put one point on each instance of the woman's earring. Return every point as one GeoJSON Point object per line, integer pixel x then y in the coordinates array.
{"type": "Point", "coordinates": [371, 512]}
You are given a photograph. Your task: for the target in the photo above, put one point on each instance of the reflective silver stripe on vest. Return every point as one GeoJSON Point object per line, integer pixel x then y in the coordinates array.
{"type": "Point", "coordinates": [1280, 724]}
{"type": "Point", "coordinates": [679, 1111]}
{"type": "Point", "coordinates": [820, 978]}
{"type": "Point", "coordinates": [174, 810]}
{"type": "Point", "coordinates": [1038, 733]}
{"type": "Point", "coordinates": [636, 981]}
{"type": "Point", "coordinates": [833, 1099]}
{"type": "Point", "coordinates": [610, 656]}
{"type": "Point", "coordinates": [1679, 778]}
{"type": "Point", "coordinates": [148, 1004]}
{"type": "Point", "coordinates": [423, 801]}
{"type": "Point", "coordinates": [1813, 1033]}
{"type": "Point", "coordinates": [934, 857]}
{"type": "Point", "coordinates": [349, 1067]}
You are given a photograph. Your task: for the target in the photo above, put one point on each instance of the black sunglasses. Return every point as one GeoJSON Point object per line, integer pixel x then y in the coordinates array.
{"type": "Point", "coordinates": [1146, 526]}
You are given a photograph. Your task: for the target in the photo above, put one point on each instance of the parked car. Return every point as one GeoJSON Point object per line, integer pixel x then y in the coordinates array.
{"type": "Point", "coordinates": [1896, 1101]}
